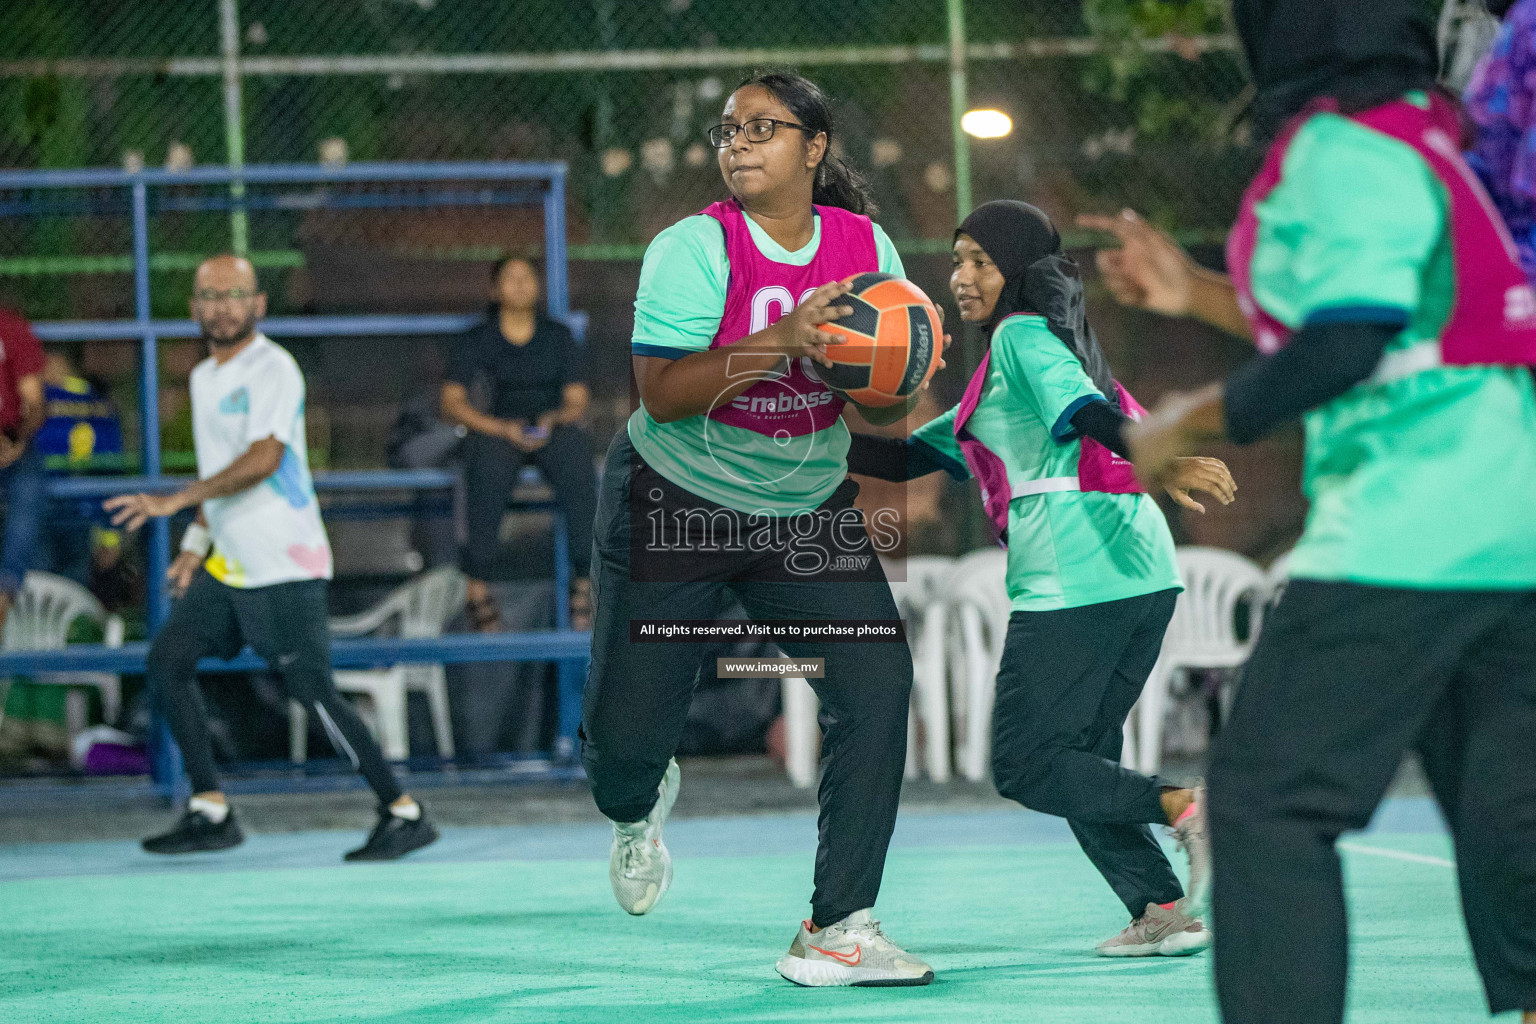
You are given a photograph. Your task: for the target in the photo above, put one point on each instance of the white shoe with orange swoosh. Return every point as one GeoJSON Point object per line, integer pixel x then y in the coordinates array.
{"type": "Point", "coordinates": [854, 951]}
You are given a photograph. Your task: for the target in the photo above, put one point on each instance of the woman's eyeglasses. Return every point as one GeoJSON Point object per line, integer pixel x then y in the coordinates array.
{"type": "Point", "coordinates": [759, 129]}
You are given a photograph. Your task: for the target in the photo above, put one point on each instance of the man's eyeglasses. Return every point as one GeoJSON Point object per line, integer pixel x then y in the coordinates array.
{"type": "Point", "coordinates": [233, 295]}
{"type": "Point", "coordinates": [759, 129]}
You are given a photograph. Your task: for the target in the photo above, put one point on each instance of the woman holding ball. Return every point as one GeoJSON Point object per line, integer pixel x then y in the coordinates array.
{"type": "Point", "coordinates": [732, 476]}
{"type": "Point", "coordinates": [1091, 572]}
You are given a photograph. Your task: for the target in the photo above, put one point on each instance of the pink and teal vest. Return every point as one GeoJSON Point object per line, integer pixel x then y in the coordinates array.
{"type": "Point", "coordinates": [761, 291]}
{"type": "Point", "coordinates": [1098, 468]}
{"type": "Point", "coordinates": [1493, 319]}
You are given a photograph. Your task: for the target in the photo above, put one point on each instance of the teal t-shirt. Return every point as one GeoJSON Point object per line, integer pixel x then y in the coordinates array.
{"type": "Point", "coordinates": [678, 309]}
{"type": "Point", "coordinates": [1422, 476]}
{"type": "Point", "coordinates": [1066, 549]}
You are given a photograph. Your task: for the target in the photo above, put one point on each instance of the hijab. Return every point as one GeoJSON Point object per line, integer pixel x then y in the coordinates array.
{"type": "Point", "coordinates": [1362, 53]}
{"type": "Point", "coordinates": [1037, 278]}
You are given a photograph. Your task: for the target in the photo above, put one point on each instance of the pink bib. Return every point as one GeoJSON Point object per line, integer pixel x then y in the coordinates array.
{"type": "Point", "coordinates": [1493, 320]}
{"type": "Point", "coordinates": [762, 291]}
{"type": "Point", "coordinates": [1098, 468]}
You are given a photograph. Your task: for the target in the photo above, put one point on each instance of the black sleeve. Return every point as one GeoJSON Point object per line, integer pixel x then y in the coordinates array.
{"type": "Point", "coordinates": [464, 357]}
{"type": "Point", "coordinates": [1321, 363]}
{"type": "Point", "coordinates": [895, 458]}
{"type": "Point", "coordinates": [1105, 423]}
{"type": "Point", "coordinates": [573, 356]}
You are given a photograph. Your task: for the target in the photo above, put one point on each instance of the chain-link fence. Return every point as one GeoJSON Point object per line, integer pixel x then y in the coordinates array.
{"type": "Point", "coordinates": [1113, 101]}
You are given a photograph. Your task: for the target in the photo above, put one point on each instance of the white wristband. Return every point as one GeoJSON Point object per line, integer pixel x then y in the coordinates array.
{"type": "Point", "coordinates": [197, 540]}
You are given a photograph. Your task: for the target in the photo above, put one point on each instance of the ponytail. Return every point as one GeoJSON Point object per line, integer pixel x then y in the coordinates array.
{"type": "Point", "coordinates": [837, 184]}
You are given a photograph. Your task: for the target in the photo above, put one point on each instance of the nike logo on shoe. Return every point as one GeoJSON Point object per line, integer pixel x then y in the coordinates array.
{"type": "Point", "coordinates": [851, 961]}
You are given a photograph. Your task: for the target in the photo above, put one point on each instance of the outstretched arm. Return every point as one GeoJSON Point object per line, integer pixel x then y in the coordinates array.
{"type": "Point", "coordinates": [1151, 271]}
{"type": "Point", "coordinates": [897, 458]}
{"type": "Point", "coordinates": [1106, 425]}
{"type": "Point", "coordinates": [1321, 363]}
{"type": "Point", "coordinates": [258, 462]}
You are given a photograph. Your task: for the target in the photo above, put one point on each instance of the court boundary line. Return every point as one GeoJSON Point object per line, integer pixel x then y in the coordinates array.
{"type": "Point", "coordinates": [1416, 858]}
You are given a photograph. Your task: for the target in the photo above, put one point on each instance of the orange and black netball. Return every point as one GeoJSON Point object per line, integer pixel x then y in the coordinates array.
{"type": "Point", "coordinates": [892, 341]}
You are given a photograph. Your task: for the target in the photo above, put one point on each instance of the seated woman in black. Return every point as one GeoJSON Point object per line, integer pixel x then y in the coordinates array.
{"type": "Point", "coordinates": [537, 399]}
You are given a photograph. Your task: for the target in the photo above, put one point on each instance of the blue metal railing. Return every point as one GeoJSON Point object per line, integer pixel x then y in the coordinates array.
{"type": "Point", "coordinates": [365, 652]}
{"type": "Point", "coordinates": [545, 185]}
{"type": "Point", "coordinates": [287, 326]}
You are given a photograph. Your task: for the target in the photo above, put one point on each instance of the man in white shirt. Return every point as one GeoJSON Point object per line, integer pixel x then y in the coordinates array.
{"type": "Point", "coordinates": [265, 582]}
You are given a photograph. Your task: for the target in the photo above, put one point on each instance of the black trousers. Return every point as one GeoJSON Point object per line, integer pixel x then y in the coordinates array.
{"type": "Point", "coordinates": [1344, 680]}
{"type": "Point", "coordinates": [637, 694]}
{"type": "Point", "coordinates": [284, 623]}
{"type": "Point", "coordinates": [491, 469]}
{"type": "Point", "coordinates": [1068, 681]}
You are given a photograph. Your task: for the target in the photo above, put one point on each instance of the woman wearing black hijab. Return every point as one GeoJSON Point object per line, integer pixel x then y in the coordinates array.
{"type": "Point", "coordinates": [1393, 316]}
{"type": "Point", "coordinates": [1091, 572]}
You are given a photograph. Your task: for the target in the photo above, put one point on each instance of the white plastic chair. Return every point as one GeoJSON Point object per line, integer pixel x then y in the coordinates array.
{"type": "Point", "coordinates": [917, 584]}
{"type": "Point", "coordinates": [1202, 634]}
{"type": "Point", "coordinates": [973, 621]}
{"type": "Point", "coordinates": [39, 620]}
{"type": "Point", "coordinates": [802, 733]}
{"type": "Point", "coordinates": [422, 608]}
{"type": "Point", "coordinates": [1275, 578]}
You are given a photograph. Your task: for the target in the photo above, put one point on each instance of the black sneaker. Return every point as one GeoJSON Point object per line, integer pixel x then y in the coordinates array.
{"type": "Point", "coordinates": [195, 833]}
{"type": "Point", "coordinates": [394, 837]}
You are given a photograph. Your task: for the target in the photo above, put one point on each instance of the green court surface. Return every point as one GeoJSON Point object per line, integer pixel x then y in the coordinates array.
{"type": "Point", "coordinates": [1009, 930]}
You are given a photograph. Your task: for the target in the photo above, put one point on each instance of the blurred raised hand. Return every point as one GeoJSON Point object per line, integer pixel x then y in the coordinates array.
{"type": "Point", "coordinates": [1151, 271]}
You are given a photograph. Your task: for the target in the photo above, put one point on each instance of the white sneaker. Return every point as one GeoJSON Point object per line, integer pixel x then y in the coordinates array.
{"type": "Point", "coordinates": [852, 952]}
{"type": "Point", "coordinates": [639, 866]}
{"type": "Point", "coordinates": [1194, 838]}
{"type": "Point", "coordinates": [1159, 931]}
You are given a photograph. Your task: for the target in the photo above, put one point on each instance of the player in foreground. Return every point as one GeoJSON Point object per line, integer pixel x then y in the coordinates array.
{"type": "Point", "coordinates": [1091, 571]}
{"type": "Point", "coordinates": [264, 583]}
{"type": "Point", "coordinates": [698, 487]}
{"type": "Point", "coordinates": [1392, 315]}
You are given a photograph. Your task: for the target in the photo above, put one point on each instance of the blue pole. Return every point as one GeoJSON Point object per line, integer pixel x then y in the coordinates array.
{"type": "Point", "coordinates": [555, 268]}
{"type": "Point", "coordinates": [562, 571]}
{"type": "Point", "coordinates": [149, 402]}
{"type": "Point", "coordinates": [570, 674]}
{"type": "Point", "coordinates": [571, 677]}
{"type": "Point", "coordinates": [166, 767]}
{"type": "Point", "coordinates": [567, 673]}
